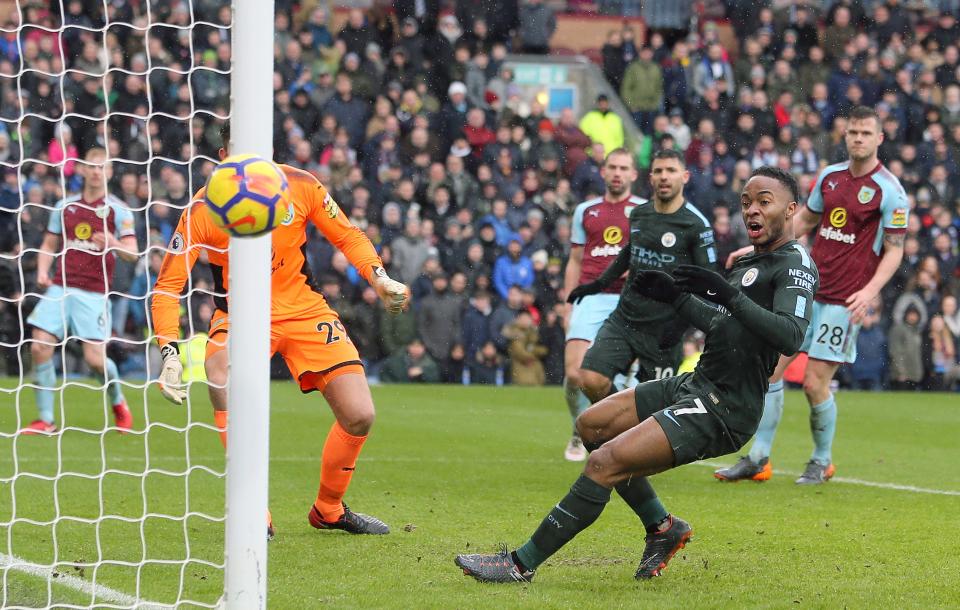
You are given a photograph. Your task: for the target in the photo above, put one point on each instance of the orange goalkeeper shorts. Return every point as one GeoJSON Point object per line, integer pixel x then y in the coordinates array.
{"type": "Point", "coordinates": [317, 350]}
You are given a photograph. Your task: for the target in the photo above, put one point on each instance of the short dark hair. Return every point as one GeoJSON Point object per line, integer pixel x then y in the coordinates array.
{"type": "Point", "coordinates": [860, 113]}
{"type": "Point", "coordinates": [782, 176]}
{"type": "Point", "coordinates": [669, 153]}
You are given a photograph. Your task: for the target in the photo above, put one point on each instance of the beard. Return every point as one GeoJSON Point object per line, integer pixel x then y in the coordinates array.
{"type": "Point", "coordinates": [617, 191]}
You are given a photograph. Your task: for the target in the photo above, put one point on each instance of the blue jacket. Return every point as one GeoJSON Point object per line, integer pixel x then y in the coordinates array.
{"type": "Point", "coordinates": [507, 273]}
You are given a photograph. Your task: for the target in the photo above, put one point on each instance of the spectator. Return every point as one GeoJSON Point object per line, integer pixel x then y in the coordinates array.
{"type": "Point", "coordinates": [614, 63]}
{"type": "Point", "coordinates": [503, 315]}
{"type": "Point", "coordinates": [512, 270]}
{"type": "Point", "coordinates": [642, 89]}
{"type": "Point", "coordinates": [356, 33]}
{"type": "Point", "coordinates": [906, 358]}
{"type": "Point", "coordinates": [537, 25]}
{"type": "Point", "coordinates": [486, 366]}
{"type": "Point", "coordinates": [939, 354]}
{"type": "Point", "coordinates": [870, 366]}
{"type": "Point", "coordinates": [438, 319]}
{"type": "Point", "coordinates": [525, 351]}
{"type": "Point", "coordinates": [410, 365]}
{"type": "Point", "coordinates": [410, 251]}
{"type": "Point", "coordinates": [603, 126]}
{"type": "Point", "coordinates": [586, 179]}
{"type": "Point", "coordinates": [713, 70]}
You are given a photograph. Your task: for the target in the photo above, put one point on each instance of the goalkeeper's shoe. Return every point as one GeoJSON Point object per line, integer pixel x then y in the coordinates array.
{"type": "Point", "coordinates": [122, 416]}
{"type": "Point", "coordinates": [349, 521]}
{"type": "Point", "coordinates": [662, 546]}
{"type": "Point", "coordinates": [746, 469]}
{"type": "Point", "coordinates": [499, 567]}
{"type": "Point", "coordinates": [38, 426]}
{"type": "Point", "coordinates": [270, 531]}
{"type": "Point", "coordinates": [816, 473]}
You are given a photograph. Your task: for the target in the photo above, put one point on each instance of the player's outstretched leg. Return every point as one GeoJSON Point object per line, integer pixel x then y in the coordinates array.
{"type": "Point", "coordinates": [349, 397]}
{"type": "Point", "coordinates": [41, 351]}
{"type": "Point", "coordinates": [643, 450]}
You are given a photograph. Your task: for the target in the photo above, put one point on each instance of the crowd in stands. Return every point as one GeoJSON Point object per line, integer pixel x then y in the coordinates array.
{"type": "Point", "coordinates": [413, 121]}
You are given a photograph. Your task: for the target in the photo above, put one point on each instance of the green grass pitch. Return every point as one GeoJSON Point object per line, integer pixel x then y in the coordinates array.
{"type": "Point", "coordinates": [456, 469]}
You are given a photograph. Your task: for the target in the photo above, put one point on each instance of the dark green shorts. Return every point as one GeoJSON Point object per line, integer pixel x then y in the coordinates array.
{"type": "Point", "coordinates": [617, 346]}
{"type": "Point", "coordinates": [695, 417]}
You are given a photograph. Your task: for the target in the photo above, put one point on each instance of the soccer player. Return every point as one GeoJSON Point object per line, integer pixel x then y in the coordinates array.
{"type": "Point", "coordinates": [88, 232]}
{"type": "Point", "coordinates": [762, 311]}
{"type": "Point", "coordinates": [663, 235]}
{"type": "Point", "coordinates": [304, 329]}
{"type": "Point", "coordinates": [599, 233]}
{"type": "Point", "coordinates": [862, 213]}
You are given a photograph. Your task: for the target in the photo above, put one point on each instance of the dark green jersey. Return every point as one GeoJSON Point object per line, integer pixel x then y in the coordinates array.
{"type": "Point", "coordinates": [659, 242]}
{"type": "Point", "coordinates": [767, 318]}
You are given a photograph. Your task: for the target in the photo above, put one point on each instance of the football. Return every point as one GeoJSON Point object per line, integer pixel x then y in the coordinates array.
{"type": "Point", "coordinates": [247, 195]}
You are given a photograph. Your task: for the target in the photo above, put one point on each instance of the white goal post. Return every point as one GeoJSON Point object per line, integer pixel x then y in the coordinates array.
{"type": "Point", "coordinates": [249, 344]}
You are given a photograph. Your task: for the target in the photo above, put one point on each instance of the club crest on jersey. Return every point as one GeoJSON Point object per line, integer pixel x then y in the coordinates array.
{"type": "Point", "coordinates": [103, 211]}
{"type": "Point", "coordinates": [750, 276]}
{"type": "Point", "coordinates": [612, 235]}
{"type": "Point", "coordinates": [176, 243]}
{"type": "Point", "coordinates": [866, 194]}
{"type": "Point", "coordinates": [288, 218]}
{"type": "Point", "coordinates": [83, 231]}
{"type": "Point", "coordinates": [838, 217]}
{"type": "Point", "coordinates": [668, 239]}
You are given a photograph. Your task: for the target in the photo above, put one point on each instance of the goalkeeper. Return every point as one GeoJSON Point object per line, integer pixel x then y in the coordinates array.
{"type": "Point", "coordinates": [304, 329]}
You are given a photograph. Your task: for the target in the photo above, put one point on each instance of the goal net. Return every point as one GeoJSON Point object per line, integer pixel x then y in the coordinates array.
{"type": "Point", "coordinates": [90, 516]}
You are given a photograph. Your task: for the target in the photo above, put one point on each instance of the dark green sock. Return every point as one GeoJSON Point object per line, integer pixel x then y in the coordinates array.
{"type": "Point", "coordinates": [639, 495]}
{"type": "Point", "coordinates": [569, 517]}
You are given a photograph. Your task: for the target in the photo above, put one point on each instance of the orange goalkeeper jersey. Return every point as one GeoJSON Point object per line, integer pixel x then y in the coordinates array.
{"type": "Point", "coordinates": [293, 295]}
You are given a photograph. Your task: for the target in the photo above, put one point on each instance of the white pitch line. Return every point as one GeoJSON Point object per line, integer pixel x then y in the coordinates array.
{"type": "Point", "coordinates": [100, 592]}
{"type": "Point", "coordinates": [851, 481]}
{"type": "Point", "coordinates": [505, 460]}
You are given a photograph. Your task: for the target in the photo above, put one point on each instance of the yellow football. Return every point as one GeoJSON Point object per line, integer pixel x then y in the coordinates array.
{"type": "Point", "coordinates": [247, 195]}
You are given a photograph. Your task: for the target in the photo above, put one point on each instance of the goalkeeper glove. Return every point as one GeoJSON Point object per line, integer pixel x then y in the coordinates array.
{"type": "Point", "coordinates": [655, 285]}
{"type": "Point", "coordinates": [171, 375]}
{"type": "Point", "coordinates": [705, 283]}
{"type": "Point", "coordinates": [576, 295]}
{"type": "Point", "coordinates": [394, 294]}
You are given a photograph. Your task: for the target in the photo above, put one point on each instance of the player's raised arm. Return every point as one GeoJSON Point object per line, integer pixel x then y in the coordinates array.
{"type": "Point", "coordinates": [181, 256]}
{"type": "Point", "coordinates": [349, 239]}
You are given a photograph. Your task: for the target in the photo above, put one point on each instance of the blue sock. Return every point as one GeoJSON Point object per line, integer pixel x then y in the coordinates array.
{"type": "Point", "coordinates": [823, 425]}
{"type": "Point", "coordinates": [772, 411]}
{"type": "Point", "coordinates": [114, 390]}
{"type": "Point", "coordinates": [577, 401]}
{"type": "Point", "coordinates": [46, 378]}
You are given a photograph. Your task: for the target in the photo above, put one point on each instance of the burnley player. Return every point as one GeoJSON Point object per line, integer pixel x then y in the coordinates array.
{"type": "Point", "coordinates": [762, 311]}
{"type": "Point", "coordinates": [664, 234]}
{"type": "Point", "coordinates": [87, 232]}
{"type": "Point", "coordinates": [861, 210]}
{"type": "Point", "coordinates": [303, 329]}
{"type": "Point", "coordinates": [600, 232]}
